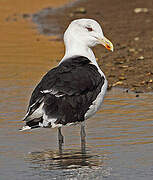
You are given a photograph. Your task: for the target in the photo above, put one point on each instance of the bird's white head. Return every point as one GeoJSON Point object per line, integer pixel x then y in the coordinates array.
{"type": "Point", "coordinates": [86, 32]}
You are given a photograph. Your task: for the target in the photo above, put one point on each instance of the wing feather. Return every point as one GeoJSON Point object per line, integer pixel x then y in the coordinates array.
{"type": "Point", "coordinates": [67, 91]}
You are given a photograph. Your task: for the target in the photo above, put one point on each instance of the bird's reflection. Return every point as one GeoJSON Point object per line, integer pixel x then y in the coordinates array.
{"type": "Point", "coordinates": [67, 159]}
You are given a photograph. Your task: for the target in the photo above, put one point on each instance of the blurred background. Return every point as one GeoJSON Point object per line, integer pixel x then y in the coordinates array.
{"type": "Point", "coordinates": [119, 137]}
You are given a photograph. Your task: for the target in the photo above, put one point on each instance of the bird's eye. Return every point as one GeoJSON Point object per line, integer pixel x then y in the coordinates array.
{"type": "Point", "coordinates": [89, 28]}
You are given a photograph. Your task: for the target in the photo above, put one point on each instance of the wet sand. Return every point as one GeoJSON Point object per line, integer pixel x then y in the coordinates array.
{"type": "Point", "coordinates": [22, 47]}
{"type": "Point", "coordinates": [131, 64]}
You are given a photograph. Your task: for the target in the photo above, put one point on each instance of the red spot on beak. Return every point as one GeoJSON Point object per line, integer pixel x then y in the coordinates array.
{"type": "Point", "coordinates": [108, 47]}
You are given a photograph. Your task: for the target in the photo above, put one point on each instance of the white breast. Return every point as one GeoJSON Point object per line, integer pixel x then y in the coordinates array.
{"type": "Point", "coordinates": [98, 101]}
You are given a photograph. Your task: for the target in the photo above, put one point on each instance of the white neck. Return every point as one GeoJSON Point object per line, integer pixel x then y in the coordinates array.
{"type": "Point", "coordinates": [77, 48]}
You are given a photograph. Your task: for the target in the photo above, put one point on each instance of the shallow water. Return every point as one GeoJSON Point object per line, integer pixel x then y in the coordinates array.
{"type": "Point", "coordinates": [119, 142]}
{"type": "Point", "coordinates": [119, 137]}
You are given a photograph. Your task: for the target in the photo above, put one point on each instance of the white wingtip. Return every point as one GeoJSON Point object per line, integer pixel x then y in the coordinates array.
{"type": "Point", "coordinates": [25, 128]}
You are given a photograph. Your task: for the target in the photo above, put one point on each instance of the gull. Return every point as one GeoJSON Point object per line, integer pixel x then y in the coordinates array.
{"type": "Point", "coordinates": [73, 91]}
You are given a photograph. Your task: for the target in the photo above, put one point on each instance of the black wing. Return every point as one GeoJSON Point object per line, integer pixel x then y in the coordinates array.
{"type": "Point", "coordinates": [67, 91]}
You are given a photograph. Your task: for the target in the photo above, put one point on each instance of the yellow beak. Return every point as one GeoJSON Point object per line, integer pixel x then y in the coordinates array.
{"type": "Point", "coordinates": [105, 42]}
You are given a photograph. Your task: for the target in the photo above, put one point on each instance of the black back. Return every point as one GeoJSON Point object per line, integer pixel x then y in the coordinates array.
{"type": "Point", "coordinates": [72, 87]}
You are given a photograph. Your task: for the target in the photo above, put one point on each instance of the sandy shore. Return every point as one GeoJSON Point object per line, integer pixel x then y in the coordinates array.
{"type": "Point", "coordinates": [127, 24]}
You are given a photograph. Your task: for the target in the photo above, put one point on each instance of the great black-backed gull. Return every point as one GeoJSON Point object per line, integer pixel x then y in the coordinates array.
{"type": "Point", "coordinates": [74, 90]}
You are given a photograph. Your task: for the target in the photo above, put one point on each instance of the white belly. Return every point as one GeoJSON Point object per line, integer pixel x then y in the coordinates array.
{"type": "Point", "coordinates": [98, 102]}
